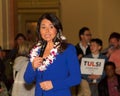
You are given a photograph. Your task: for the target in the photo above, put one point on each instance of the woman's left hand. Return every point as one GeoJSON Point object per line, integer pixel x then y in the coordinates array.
{"type": "Point", "coordinates": [46, 85]}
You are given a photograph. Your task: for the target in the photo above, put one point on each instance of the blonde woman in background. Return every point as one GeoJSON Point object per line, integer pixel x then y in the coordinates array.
{"type": "Point", "coordinates": [20, 88]}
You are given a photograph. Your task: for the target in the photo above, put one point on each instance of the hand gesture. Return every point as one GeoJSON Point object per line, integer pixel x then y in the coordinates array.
{"type": "Point", "coordinates": [46, 85]}
{"type": "Point", "coordinates": [37, 62]}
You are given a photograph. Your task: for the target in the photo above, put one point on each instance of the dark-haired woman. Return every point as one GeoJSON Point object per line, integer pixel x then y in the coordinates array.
{"type": "Point", "coordinates": [57, 69]}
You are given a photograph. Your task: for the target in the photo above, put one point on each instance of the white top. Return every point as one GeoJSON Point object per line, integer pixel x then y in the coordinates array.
{"type": "Point", "coordinates": [95, 56]}
{"type": "Point", "coordinates": [83, 48]}
{"type": "Point", "coordinates": [20, 88]}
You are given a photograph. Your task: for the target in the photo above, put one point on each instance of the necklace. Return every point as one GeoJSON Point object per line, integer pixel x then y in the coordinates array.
{"type": "Point", "coordinates": [49, 59]}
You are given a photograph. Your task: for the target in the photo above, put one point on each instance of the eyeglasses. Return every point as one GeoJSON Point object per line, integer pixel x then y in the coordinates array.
{"type": "Point", "coordinates": [88, 34]}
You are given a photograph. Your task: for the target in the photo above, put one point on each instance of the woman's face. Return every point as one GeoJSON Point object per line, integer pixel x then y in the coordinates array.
{"type": "Point", "coordinates": [47, 30]}
{"type": "Point", "coordinates": [20, 40]}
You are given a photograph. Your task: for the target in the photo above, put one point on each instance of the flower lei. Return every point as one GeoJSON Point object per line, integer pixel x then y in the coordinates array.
{"type": "Point", "coordinates": [48, 60]}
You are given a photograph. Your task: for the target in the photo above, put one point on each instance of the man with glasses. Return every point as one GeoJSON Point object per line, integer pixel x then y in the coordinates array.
{"type": "Point", "coordinates": [83, 47]}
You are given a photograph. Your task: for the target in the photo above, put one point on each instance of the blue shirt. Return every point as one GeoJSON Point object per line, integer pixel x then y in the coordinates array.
{"type": "Point", "coordinates": [64, 72]}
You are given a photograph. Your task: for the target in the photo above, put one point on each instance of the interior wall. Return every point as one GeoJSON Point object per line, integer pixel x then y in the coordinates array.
{"type": "Point", "coordinates": [4, 24]}
{"type": "Point", "coordinates": [76, 15]}
{"type": "Point", "coordinates": [101, 16]}
{"type": "Point", "coordinates": [1, 27]}
{"type": "Point", "coordinates": [111, 18]}
{"type": "Point", "coordinates": [28, 13]}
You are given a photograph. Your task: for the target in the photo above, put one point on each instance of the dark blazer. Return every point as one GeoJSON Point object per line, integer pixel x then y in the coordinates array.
{"type": "Point", "coordinates": [103, 86]}
{"type": "Point", "coordinates": [79, 50]}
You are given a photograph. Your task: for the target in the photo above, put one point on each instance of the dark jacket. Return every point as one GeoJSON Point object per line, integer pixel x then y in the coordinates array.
{"type": "Point", "coordinates": [2, 67]}
{"type": "Point", "coordinates": [79, 50]}
{"type": "Point", "coordinates": [103, 86]}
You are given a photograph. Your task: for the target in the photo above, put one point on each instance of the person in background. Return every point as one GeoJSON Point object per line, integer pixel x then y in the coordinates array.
{"type": "Point", "coordinates": [110, 84]}
{"type": "Point", "coordinates": [3, 80]}
{"type": "Point", "coordinates": [53, 65]}
{"type": "Point", "coordinates": [20, 88]}
{"type": "Point", "coordinates": [3, 68]}
{"type": "Point", "coordinates": [114, 43]}
{"type": "Point", "coordinates": [30, 36]}
{"type": "Point", "coordinates": [93, 80]}
{"type": "Point", "coordinates": [83, 47]}
{"type": "Point", "coordinates": [114, 53]}
{"type": "Point", "coordinates": [19, 39]}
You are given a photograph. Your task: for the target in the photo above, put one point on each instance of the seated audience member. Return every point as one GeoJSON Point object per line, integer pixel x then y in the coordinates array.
{"type": "Point", "coordinates": [110, 85]}
{"type": "Point", "coordinates": [93, 79]}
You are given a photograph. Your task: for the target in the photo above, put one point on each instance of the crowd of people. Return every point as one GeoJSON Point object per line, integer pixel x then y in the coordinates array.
{"type": "Point", "coordinates": [88, 47]}
{"type": "Point", "coordinates": [51, 66]}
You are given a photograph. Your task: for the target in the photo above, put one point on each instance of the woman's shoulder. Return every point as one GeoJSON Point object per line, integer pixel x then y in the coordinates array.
{"type": "Point", "coordinates": [70, 46]}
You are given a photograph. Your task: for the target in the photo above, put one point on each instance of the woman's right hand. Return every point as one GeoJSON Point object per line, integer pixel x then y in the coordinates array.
{"type": "Point", "coordinates": [37, 62]}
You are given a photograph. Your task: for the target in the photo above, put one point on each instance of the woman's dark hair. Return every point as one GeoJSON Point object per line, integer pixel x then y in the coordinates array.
{"type": "Point", "coordinates": [20, 35]}
{"type": "Point", "coordinates": [109, 63]}
{"type": "Point", "coordinates": [114, 35]}
{"type": "Point", "coordinates": [57, 24]}
{"type": "Point", "coordinates": [16, 38]}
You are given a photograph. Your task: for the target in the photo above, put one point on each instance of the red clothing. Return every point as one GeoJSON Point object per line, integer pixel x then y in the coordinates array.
{"type": "Point", "coordinates": [115, 57]}
{"type": "Point", "coordinates": [112, 86]}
